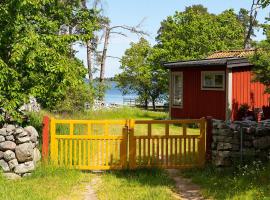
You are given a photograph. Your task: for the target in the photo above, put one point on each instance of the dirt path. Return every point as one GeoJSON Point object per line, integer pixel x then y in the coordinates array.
{"type": "Point", "coordinates": [186, 189]}
{"type": "Point", "coordinates": [90, 192]}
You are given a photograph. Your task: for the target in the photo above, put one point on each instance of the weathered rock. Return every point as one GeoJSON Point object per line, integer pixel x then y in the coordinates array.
{"type": "Point", "coordinates": [262, 143]}
{"type": "Point", "coordinates": [9, 155]}
{"type": "Point", "coordinates": [226, 132]}
{"type": "Point", "coordinates": [235, 147]}
{"type": "Point", "coordinates": [22, 134]}
{"type": "Point", "coordinates": [27, 174]}
{"type": "Point", "coordinates": [24, 167]}
{"type": "Point", "coordinates": [24, 152]}
{"type": "Point", "coordinates": [224, 146]}
{"type": "Point", "coordinates": [36, 155]}
{"type": "Point", "coordinates": [21, 140]}
{"type": "Point", "coordinates": [1, 154]}
{"type": "Point", "coordinates": [2, 138]}
{"type": "Point", "coordinates": [13, 163]}
{"type": "Point", "coordinates": [32, 132]}
{"type": "Point", "coordinates": [4, 166]}
{"type": "Point", "coordinates": [222, 162]}
{"type": "Point", "coordinates": [18, 130]}
{"type": "Point", "coordinates": [12, 176]}
{"type": "Point", "coordinates": [3, 131]}
{"type": "Point", "coordinates": [10, 128]}
{"type": "Point", "coordinates": [7, 145]}
{"type": "Point", "coordinates": [10, 138]}
{"type": "Point", "coordinates": [223, 154]}
{"type": "Point", "coordinates": [222, 138]}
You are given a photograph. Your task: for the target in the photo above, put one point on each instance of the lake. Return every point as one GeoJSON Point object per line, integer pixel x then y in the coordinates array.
{"type": "Point", "coordinates": [114, 96]}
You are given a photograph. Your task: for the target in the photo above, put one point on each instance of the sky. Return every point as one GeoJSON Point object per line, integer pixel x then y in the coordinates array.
{"type": "Point", "coordinates": [132, 12]}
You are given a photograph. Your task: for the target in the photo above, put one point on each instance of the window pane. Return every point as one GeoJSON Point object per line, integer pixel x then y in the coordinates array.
{"type": "Point", "coordinates": [212, 79]}
{"type": "Point", "coordinates": [219, 80]}
{"type": "Point", "coordinates": [178, 90]}
{"type": "Point", "coordinates": [209, 80]}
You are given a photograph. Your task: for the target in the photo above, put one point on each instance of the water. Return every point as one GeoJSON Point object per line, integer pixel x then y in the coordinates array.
{"type": "Point", "coordinates": [114, 96]}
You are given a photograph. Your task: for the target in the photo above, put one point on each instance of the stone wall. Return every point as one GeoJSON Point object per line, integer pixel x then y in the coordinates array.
{"type": "Point", "coordinates": [226, 144]}
{"type": "Point", "coordinates": [19, 151]}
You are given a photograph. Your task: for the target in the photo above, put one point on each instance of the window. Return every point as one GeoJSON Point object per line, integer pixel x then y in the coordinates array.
{"type": "Point", "coordinates": [213, 80]}
{"type": "Point", "coordinates": [177, 89]}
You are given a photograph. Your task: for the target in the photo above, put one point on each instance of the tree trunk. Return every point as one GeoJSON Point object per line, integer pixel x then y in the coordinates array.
{"type": "Point", "coordinates": [104, 55]}
{"type": "Point", "coordinates": [154, 104]}
{"type": "Point", "coordinates": [70, 46]}
{"type": "Point", "coordinates": [146, 104]}
{"type": "Point", "coordinates": [252, 19]}
{"type": "Point", "coordinates": [89, 61]}
{"type": "Point", "coordinates": [102, 64]}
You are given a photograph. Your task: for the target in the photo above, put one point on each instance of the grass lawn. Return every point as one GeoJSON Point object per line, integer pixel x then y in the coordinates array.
{"type": "Point", "coordinates": [46, 183]}
{"type": "Point", "coordinates": [249, 182]}
{"type": "Point", "coordinates": [136, 185]}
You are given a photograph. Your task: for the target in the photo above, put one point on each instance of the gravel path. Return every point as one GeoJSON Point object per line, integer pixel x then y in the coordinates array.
{"type": "Point", "coordinates": [90, 192]}
{"type": "Point", "coordinates": [186, 189]}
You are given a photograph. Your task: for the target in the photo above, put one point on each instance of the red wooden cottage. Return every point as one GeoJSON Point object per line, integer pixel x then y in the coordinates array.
{"type": "Point", "coordinates": [216, 86]}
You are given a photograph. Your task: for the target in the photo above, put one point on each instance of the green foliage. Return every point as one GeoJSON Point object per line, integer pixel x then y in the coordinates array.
{"type": "Point", "coordinates": [246, 182]}
{"type": "Point", "coordinates": [140, 74]}
{"type": "Point", "coordinates": [195, 33]}
{"type": "Point", "coordinates": [261, 60]}
{"type": "Point", "coordinates": [35, 52]}
{"type": "Point", "coordinates": [75, 99]}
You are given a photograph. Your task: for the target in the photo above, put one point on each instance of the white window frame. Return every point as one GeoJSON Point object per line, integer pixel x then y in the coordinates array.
{"type": "Point", "coordinates": [172, 87]}
{"type": "Point", "coordinates": [203, 73]}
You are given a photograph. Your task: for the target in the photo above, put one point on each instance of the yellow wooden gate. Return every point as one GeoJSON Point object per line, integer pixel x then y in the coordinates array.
{"type": "Point", "coordinates": [118, 144]}
{"type": "Point", "coordinates": [89, 144]}
{"type": "Point", "coordinates": [173, 145]}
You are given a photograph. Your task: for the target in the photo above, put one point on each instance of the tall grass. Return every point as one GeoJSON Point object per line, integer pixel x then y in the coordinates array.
{"type": "Point", "coordinates": [247, 182]}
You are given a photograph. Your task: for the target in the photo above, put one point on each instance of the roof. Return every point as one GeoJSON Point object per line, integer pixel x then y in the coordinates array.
{"type": "Point", "coordinates": [233, 53]}
{"type": "Point", "coordinates": [233, 58]}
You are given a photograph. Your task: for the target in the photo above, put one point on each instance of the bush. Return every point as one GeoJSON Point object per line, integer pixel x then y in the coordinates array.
{"type": "Point", "coordinates": [75, 99]}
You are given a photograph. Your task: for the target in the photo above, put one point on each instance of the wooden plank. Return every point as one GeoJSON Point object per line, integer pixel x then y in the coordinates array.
{"type": "Point", "coordinates": [140, 152]}
{"type": "Point", "coordinates": [183, 121]}
{"type": "Point", "coordinates": [70, 153]}
{"type": "Point", "coordinates": [144, 150]}
{"type": "Point", "coordinates": [80, 153]}
{"type": "Point", "coordinates": [158, 160]}
{"type": "Point", "coordinates": [66, 152]}
{"type": "Point", "coordinates": [92, 137]}
{"type": "Point", "coordinates": [84, 152]}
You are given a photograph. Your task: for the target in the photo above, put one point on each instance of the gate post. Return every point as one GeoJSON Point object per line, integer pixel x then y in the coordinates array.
{"type": "Point", "coordinates": [45, 138]}
{"type": "Point", "coordinates": [54, 144]}
{"type": "Point", "coordinates": [201, 148]}
{"type": "Point", "coordinates": [132, 145]}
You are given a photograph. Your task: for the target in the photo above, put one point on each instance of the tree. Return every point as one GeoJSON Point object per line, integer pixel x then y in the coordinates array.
{"type": "Point", "coordinates": [195, 33]}
{"type": "Point", "coordinates": [35, 53]}
{"type": "Point", "coordinates": [261, 60]}
{"type": "Point", "coordinates": [140, 75]}
{"type": "Point", "coordinates": [249, 23]}
{"type": "Point", "coordinates": [108, 31]}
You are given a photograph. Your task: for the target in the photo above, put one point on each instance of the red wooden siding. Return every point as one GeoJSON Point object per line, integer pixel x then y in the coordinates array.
{"type": "Point", "coordinates": [245, 91]}
{"type": "Point", "coordinates": [199, 103]}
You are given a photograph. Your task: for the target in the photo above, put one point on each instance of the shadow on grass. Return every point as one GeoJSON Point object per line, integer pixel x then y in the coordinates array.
{"type": "Point", "coordinates": [150, 177]}
{"type": "Point", "coordinates": [136, 185]}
